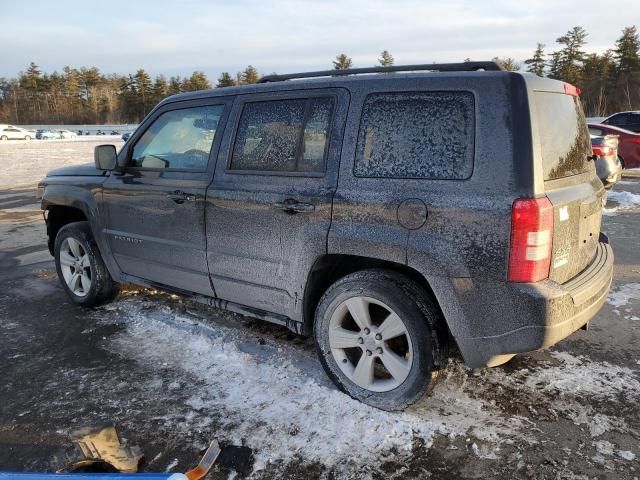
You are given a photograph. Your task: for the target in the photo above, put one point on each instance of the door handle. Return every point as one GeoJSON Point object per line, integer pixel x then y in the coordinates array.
{"type": "Point", "coordinates": [180, 197]}
{"type": "Point", "coordinates": [292, 206]}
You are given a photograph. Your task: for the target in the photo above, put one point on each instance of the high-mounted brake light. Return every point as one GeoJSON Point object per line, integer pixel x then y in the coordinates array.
{"type": "Point", "coordinates": [571, 90]}
{"type": "Point", "coordinates": [531, 239]}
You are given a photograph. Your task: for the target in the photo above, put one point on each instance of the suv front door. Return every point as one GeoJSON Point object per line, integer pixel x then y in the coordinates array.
{"type": "Point", "coordinates": [155, 208]}
{"type": "Point", "coordinates": [269, 206]}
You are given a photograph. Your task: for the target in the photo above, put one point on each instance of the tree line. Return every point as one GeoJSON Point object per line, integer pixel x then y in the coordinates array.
{"type": "Point", "coordinates": [609, 82]}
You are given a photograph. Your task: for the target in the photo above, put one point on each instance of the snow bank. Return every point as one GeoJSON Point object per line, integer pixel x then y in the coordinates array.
{"type": "Point", "coordinates": [274, 404]}
{"type": "Point", "coordinates": [625, 200]}
{"type": "Point", "coordinates": [273, 397]}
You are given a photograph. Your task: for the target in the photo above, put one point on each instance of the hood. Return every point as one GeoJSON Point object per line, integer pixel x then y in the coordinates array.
{"type": "Point", "coordinates": [84, 170]}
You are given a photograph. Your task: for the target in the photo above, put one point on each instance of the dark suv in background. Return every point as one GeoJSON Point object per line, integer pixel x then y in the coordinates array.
{"type": "Point", "coordinates": [390, 216]}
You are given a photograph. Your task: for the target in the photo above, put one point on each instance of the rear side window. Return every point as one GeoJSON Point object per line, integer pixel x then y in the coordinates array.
{"type": "Point", "coordinates": [564, 136]}
{"type": "Point", "coordinates": [417, 135]}
{"type": "Point", "coordinates": [283, 135]}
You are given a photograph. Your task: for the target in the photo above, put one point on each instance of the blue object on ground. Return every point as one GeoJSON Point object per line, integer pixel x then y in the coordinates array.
{"type": "Point", "coordinates": [91, 476]}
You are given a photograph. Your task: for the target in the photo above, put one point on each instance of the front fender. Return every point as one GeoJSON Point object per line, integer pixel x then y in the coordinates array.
{"type": "Point", "coordinates": [87, 199]}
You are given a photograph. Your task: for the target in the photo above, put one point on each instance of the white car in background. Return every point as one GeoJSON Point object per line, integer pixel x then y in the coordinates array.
{"type": "Point", "coordinates": [67, 134]}
{"type": "Point", "coordinates": [9, 132]}
{"type": "Point", "coordinates": [57, 134]}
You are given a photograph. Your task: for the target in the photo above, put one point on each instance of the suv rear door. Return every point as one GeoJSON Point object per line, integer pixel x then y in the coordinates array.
{"type": "Point", "coordinates": [269, 205]}
{"type": "Point", "coordinates": [570, 182]}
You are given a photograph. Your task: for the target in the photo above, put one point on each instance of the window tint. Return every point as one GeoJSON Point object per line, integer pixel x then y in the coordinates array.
{"type": "Point", "coordinates": [178, 139]}
{"type": "Point", "coordinates": [564, 136]}
{"type": "Point", "coordinates": [283, 135]}
{"type": "Point", "coordinates": [417, 135]}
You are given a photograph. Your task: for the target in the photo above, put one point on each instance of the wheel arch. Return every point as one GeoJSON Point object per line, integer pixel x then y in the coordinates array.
{"type": "Point", "coordinates": [329, 268]}
{"type": "Point", "coordinates": [57, 216]}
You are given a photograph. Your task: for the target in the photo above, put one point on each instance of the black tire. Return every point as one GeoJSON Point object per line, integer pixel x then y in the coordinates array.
{"type": "Point", "coordinates": [4, 138]}
{"type": "Point", "coordinates": [103, 289]}
{"type": "Point", "coordinates": [424, 326]}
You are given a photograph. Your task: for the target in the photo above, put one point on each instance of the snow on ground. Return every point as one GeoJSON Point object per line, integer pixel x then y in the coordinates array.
{"type": "Point", "coordinates": [283, 406]}
{"type": "Point", "coordinates": [625, 296]}
{"type": "Point", "coordinates": [580, 375]}
{"type": "Point", "coordinates": [625, 200]}
{"type": "Point", "coordinates": [24, 163]}
{"type": "Point", "coordinates": [276, 400]}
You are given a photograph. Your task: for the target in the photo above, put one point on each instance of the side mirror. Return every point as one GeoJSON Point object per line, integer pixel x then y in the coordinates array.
{"type": "Point", "coordinates": [105, 157]}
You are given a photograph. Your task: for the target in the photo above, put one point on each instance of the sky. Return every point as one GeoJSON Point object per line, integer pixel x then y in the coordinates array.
{"type": "Point", "coordinates": [178, 37]}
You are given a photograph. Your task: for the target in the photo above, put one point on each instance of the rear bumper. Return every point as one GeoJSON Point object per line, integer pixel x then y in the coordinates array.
{"type": "Point", "coordinates": [548, 311]}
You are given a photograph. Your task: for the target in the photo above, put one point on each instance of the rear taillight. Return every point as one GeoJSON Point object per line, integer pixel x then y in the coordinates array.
{"type": "Point", "coordinates": [602, 150]}
{"type": "Point", "coordinates": [571, 90]}
{"type": "Point", "coordinates": [531, 239]}
{"type": "Point", "coordinates": [631, 140]}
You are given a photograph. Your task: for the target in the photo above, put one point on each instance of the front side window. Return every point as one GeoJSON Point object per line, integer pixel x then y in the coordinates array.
{"type": "Point", "coordinates": [179, 139]}
{"type": "Point", "coordinates": [426, 135]}
{"type": "Point", "coordinates": [283, 135]}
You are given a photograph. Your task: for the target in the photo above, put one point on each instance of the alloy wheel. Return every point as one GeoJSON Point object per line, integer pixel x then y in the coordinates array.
{"type": "Point", "coordinates": [370, 343]}
{"type": "Point", "coordinates": [75, 266]}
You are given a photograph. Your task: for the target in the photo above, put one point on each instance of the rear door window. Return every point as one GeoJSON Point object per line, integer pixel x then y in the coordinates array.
{"type": "Point", "coordinates": [283, 135]}
{"type": "Point", "coordinates": [426, 135]}
{"type": "Point", "coordinates": [564, 136]}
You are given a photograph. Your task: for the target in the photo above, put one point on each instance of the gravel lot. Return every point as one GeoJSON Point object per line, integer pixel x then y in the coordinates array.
{"type": "Point", "coordinates": [172, 375]}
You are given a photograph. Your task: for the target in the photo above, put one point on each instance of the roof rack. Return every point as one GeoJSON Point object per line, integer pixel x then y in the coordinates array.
{"type": "Point", "coordinates": [433, 67]}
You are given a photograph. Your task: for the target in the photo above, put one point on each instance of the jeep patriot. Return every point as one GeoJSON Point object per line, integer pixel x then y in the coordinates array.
{"type": "Point", "coordinates": [394, 217]}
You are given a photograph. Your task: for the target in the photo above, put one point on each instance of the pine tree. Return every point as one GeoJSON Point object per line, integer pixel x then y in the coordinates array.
{"type": "Point", "coordinates": [160, 88]}
{"type": "Point", "coordinates": [175, 85]}
{"type": "Point", "coordinates": [197, 81]}
{"type": "Point", "coordinates": [627, 51]}
{"type": "Point", "coordinates": [225, 80]}
{"type": "Point", "coordinates": [536, 64]}
{"type": "Point", "coordinates": [598, 74]}
{"type": "Point", "coordinates": [143, 88]}
{"type": "Point", "coordinates": [385, 59]}
{"type": "Point", "coordinates": [507, 63]}
{"type": "Point", "coordinates": [249, 75]}
{"type": "Point", "coordinates": [342, 62]}
{"type": "Point", "coordinates": [571, 56]}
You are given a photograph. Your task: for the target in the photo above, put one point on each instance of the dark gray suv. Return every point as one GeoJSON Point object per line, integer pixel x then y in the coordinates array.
{"type": "Point", "coordinates": [392, 216]}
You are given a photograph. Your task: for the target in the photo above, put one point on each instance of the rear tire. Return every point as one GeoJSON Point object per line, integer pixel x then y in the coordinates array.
{"type": "Point", "coordinates": [80, 267]}
{"type": "Point", "coordinates": [394, 353]}
{"type": "Point", "coordinates": [27, 138]}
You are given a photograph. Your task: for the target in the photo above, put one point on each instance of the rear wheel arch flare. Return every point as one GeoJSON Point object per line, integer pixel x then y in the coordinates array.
{"type": "Point", "coordinates": [330, 268]}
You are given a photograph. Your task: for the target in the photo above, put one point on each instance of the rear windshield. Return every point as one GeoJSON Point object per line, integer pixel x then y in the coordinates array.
{"type": "Point", "coordinates": [564, 136]}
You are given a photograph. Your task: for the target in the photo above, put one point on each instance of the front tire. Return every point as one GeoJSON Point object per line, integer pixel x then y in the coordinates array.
{"type": "Point", "coordinates": [380, 338]}
{"type": "Point", "coordinates": [4, 138]}
{"type": "Point", "coordinates": [80, 267]}
{"type": "Point", "coordinates": [27, 138]}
